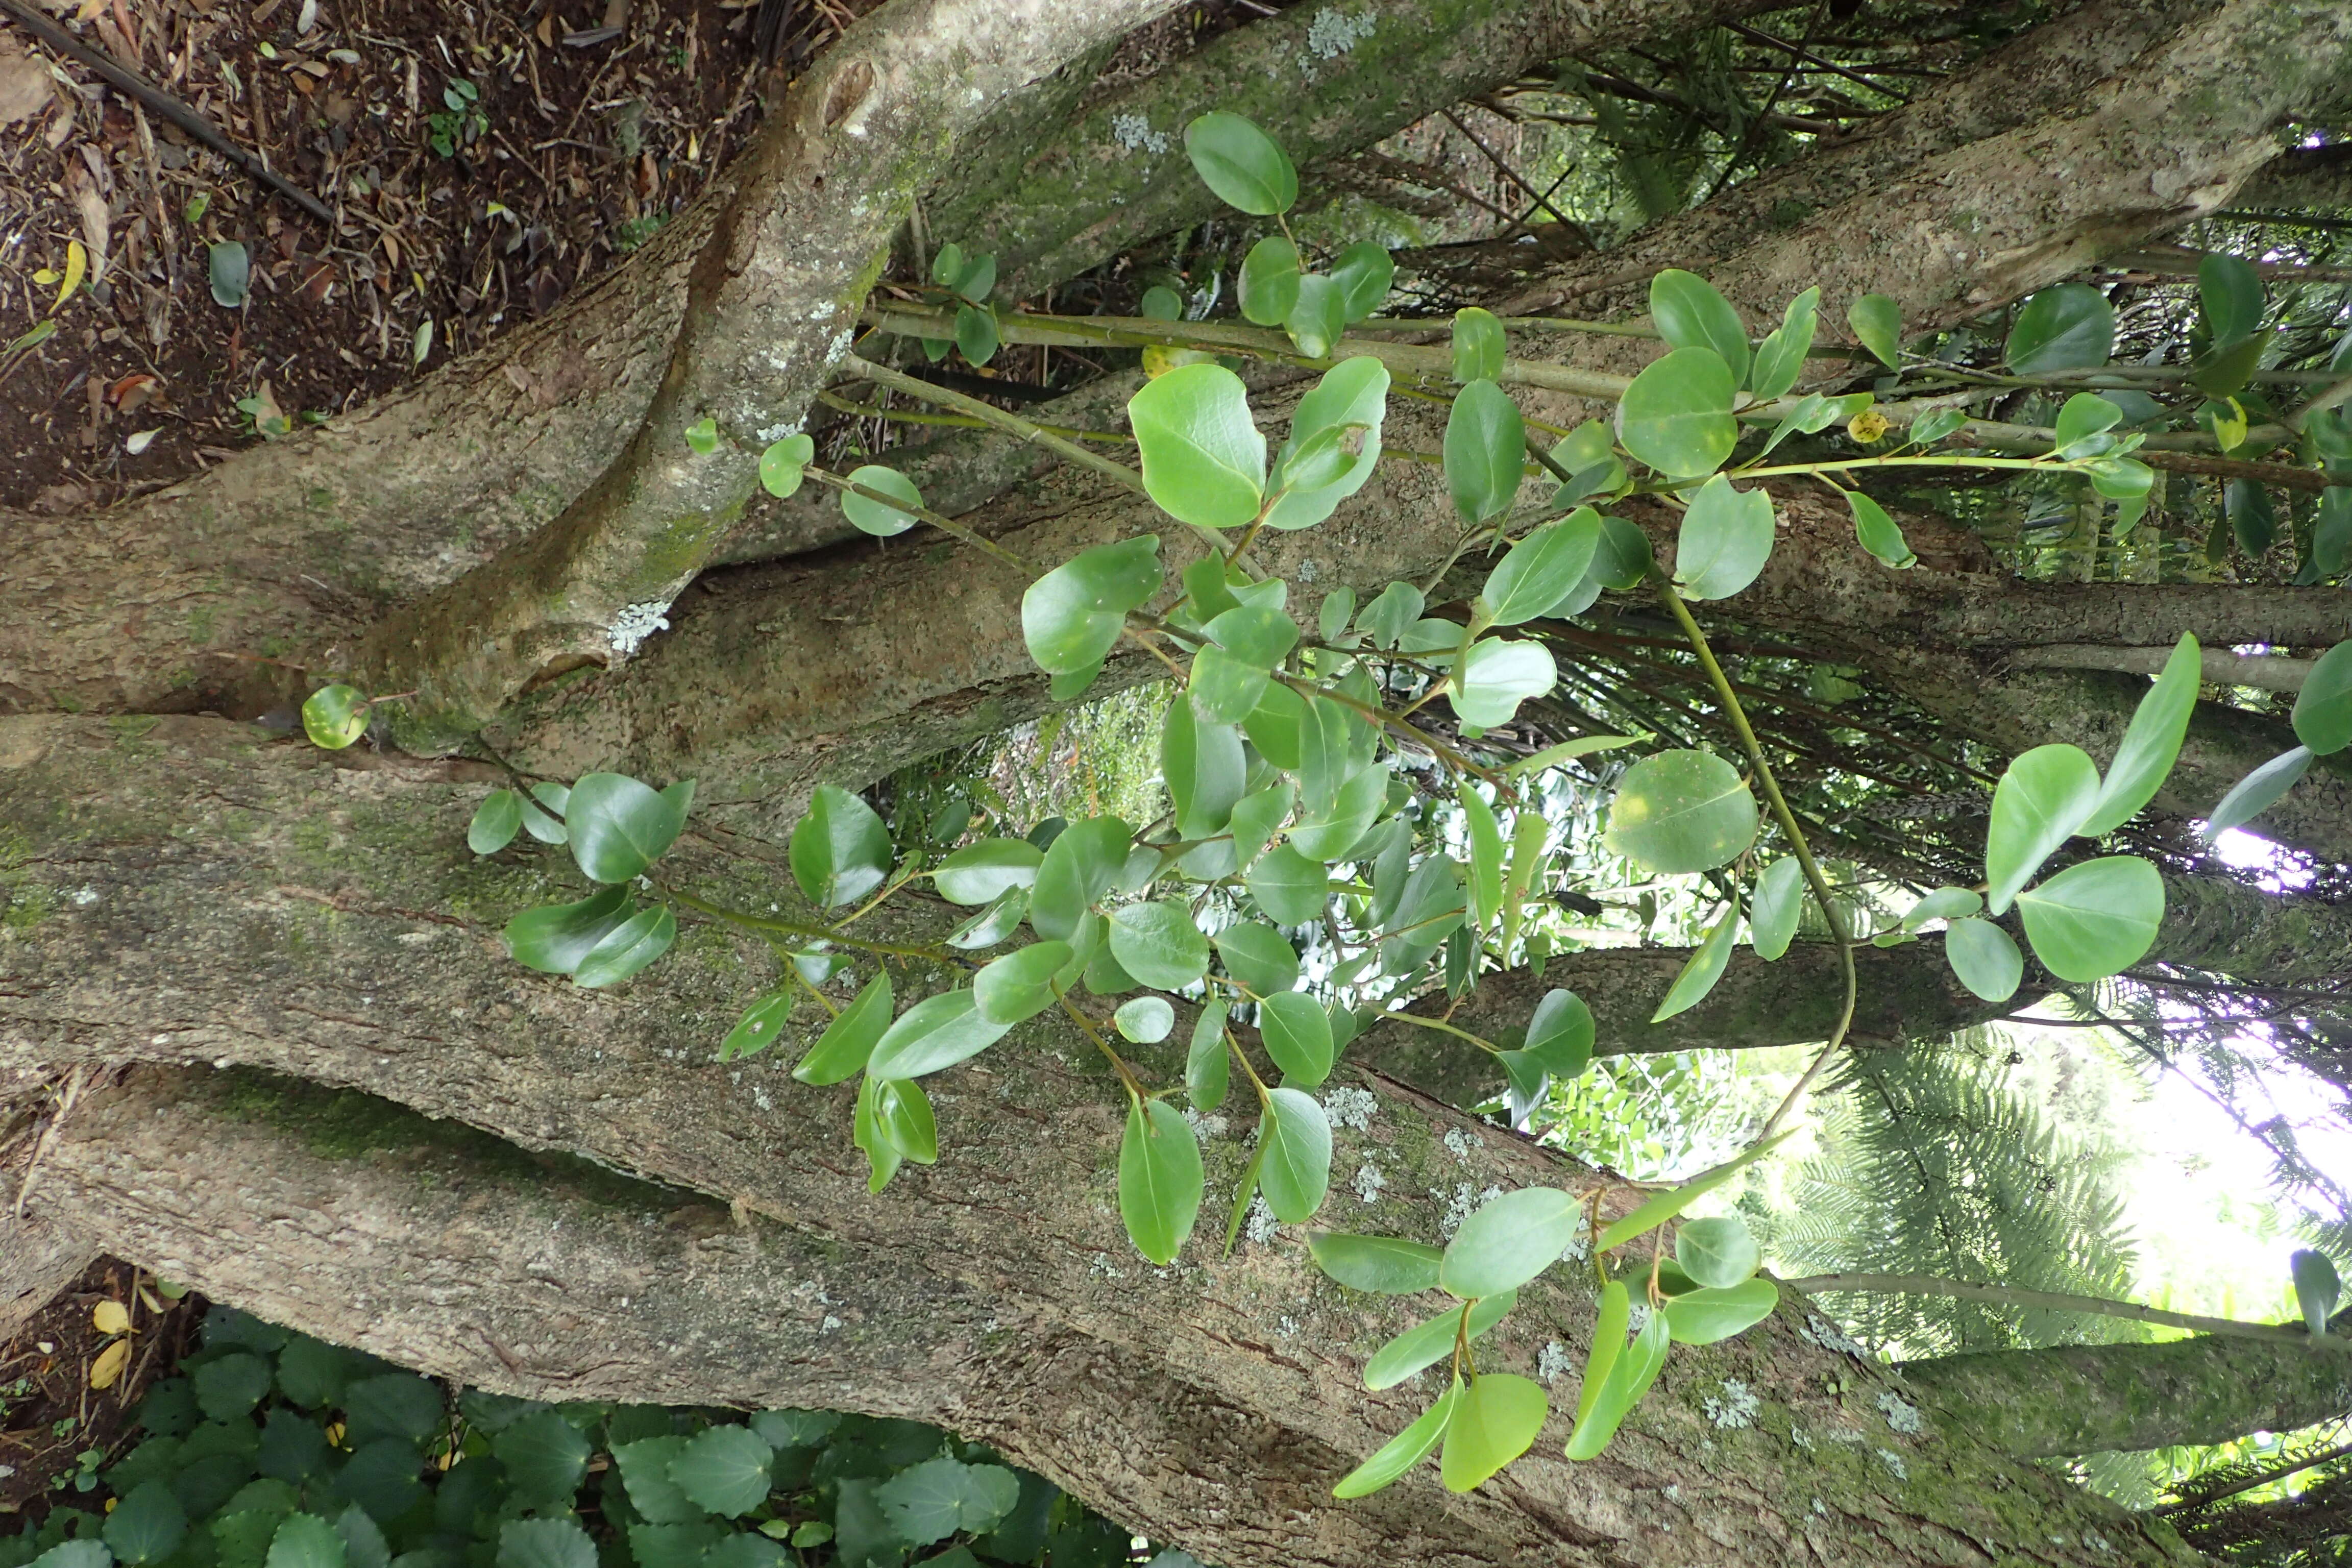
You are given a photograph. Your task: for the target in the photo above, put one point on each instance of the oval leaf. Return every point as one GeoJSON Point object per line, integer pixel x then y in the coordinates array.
{"type": "Point", "coordinates": [1159, 945]}
{"type": "Point", "coordinates": [1681, 812]}
{"type": "Point", "coordinates": [2043, 796]}
{"type": "Point", "coordinates": [1509, 1241]}
{"type": "Point", "coordinates": [1677, 415]}
{"type": "Point", "coordinates": [1158, 1179]}
{"type": "Point", "coordinates": [935, 1032]}
{"type": "Point", "coordinates": [1776, 906]}
{"type": "Point", "coordinates": [2094, 918]}
{"type": "Point", "coordinates": [1384, 1265]}
{"type": "Point", "coordinates": [1703, 968]}
{"type": "Point", "coordinates": [1241, 163]}
{"type": "Point", "coordinates": [1984, 957]}
{"type": "Point", "coordinates": [1725, 538]}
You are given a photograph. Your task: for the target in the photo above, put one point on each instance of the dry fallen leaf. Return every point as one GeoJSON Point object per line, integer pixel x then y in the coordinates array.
{"type": "Point", "coordinates": [139, 441]}
{"type": "Point", "coordinates": [24, 86]}
{"type": "Point", "coordinates": [111, 1317]}
{"type": "Point", "coordinates": [107, 1368]}
{"type": "Point", "coordinates": [92, 208]}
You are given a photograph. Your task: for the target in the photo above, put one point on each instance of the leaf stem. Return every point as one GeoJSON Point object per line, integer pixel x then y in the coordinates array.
{"type": "Point", "coordinates": [1419, 1022]}
{"type": "Point", "coordinates": [771, 924]}
{"type": "Point", "coordinates": [1117, 1063]}
{"type": "Point", "coordinates": [989, 414]}
{"type": "Point", "coordinates": [947, 525]}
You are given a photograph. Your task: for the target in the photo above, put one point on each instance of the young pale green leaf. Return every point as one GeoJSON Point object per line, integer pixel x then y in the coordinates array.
{"type": "Point", "coordinates": [1486, 835]}
{"type": "Point", "coordinates": [1159, 945]}
{"type": "Point", "coordinates": [1703, 969]}
{"type": "Point", "coordinates": [2150, 744]}
{"type": "Point", "coordinates": [1509, 1241]}
{"type": "Point", "coordinates": [1690, 314]}
{"type": "Point", "coordinates": [2317, 1288]}
{"type": "Point", "coordinates": [1612, 1313]}
{"type": "Point", "coordinates": [2043, 797]}
{"type": "Point", "coordinates": [547, 829]}
{"type": "Point", "coordinates": [781, 464]}
{"type": "Point", "coordinates": [554, 938]}
{"type": "Point", "coordinates": [627, 948]}
{"type": "Point", "coordinates": [2258, 791]}
{"type": "Point", "coordinates": [1203, 459]}
{"type": "Point", "coordinates": [1485, 451]}
{"type": "Point", "coordinates": [1162, 303]}
{"type": "Point", "coordinates": [935, 1032]}
{"type": "Point", "coordinates": [2229, 299]}
{"type": "Point", "coordinates": [1569, 751]}
{"type": "Point", "coordinates": [1269, 280]}
{"type": "Point", "coordinates": [1146, 1020]}
{"type": "Point", "coordinates": [2094, 918]}
{"type": "Point", "coordinates": [1296, 1033]}
{"type": "Point", "coordinates": [1561, 1034]}
{"type": "Point", "coordinates": [1780, 358]}
{"type": "Point", "coordinates": [1717, 1252]}
{"type": "Point", "coordinates": [1290, 887]}
{"type": "Point", "coordinates": [1943, 904]}
{"type": "Point", "coordinates": [1630, 1371]}
{"type": "Point", "coordinates": [1425, 1344]}
{"type": "Point", "coordinates": [1086, 858]}
{"type": "Point", "coordinates": [2069, 327]}
{"type": "Point", "coordinates": [1496, 675]}
{"type": "Point", "coordinates": [980, 873]}
{"type": "Point", "coordinates": [1207, 1067]}
{"type": "Point", "coordinates": [1681, 812]}
{"type": "Point", "coordinates": [1071, 616]}
{"type": "Point", "coordinates": [840, 851]}
{"type": "Point", "coordinates": [335, 716]}
{"type": "Point", "coordinates": [882, 1157]}
{"type": "Point", "coordinates": [702, 436]}
{"type": "Point", "coordinates": [1339, 607]}
{"type": "Point", "coordinates": [1158, 1179]}
{"type": "Point", "coordinates": [1677, 415]}
{"type": "Point", "coordinates": [1541, 569]}
{"type": "Point", "coordinates": [1383, 1265]}
{"type": "Point", "coordinates": [2323, 710]}
{"type": "Point", "coordinates": [1019, 985]}
{"type": "Point", "coordinates": [1479, 347]}
{"type": "Point", "coordinates": [1402, 1452]}
{"type": "Point", "coordinates": [1984, 957]}
{"type": "Point", "coordinates": [1879, 533]}
{"type": "Point", "coordinates": [619, 826]}
{"type": "Point", "coordinates": [1241, 163]}
{"type": "Point", "coordinates": [1725, 538]}
{"type": "Point", "coordinates": [1776, 906]}
{"type": "Point", "coordinates": [1258, 635]}
{"type": "Point", "coordinates": [1703, 1317]}
{"type": "Point", "coordinates": [1318, 317]}
{"type": "Point", "coordinates": [1364, 271]}
{"type": "Point", "coordinates": [1655, 1211]}
{"type": "Point", "coordinates": [880, 518]}
{"type": "Point", "coordinates": [1496, 1419]}
{"type": "Point", "coordinates": [496, 823]}
{"type": "Point", "coordinates": [902, 1120]}
{"type": "Point", "coordinates": [1349, 404]}
{"type": "Point", "coordinates": [1256, 955]}
{"type": "Point", "coordinates": [1878, 324]}
{"type": "Point", "coordinates": [1295, 1140]}
{"type": "Point", "coordinates": [2082, 426]}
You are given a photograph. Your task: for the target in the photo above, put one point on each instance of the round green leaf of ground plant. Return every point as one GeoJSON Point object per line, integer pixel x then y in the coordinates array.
{"type": "Point", "coordinates": [1689, 313]}
{"type": "Point", "coordinates": [335, 716]}
{"type": "Point", "coordinates": [1718, 1252]}
{"type": "Point", "coordinates": [1384, 1265]}
{"type": "Point", "coordinates": [980, 873]}
{"type": "Point", "coordinates": [1364, 272]}
{"type": "Point", "coordinates": [935, 1032]}
{"type": "Point", "coordinates": [627, 948]}
{"type": "Point", "coordinates": [2258, 791]}
{"type": "Point", "coordinates": [1877, 324]}
{"type": "Point", "coordinates": [1677, 415]}
{"type": "Point", "coordinates": [148, 1524]}
{"type": "Point", "coordinates": [1774, 909]}
{"type": "Point", "coordinates": [842, 1052]}
{"type": "Point", "coordinates": [1496, 675]}
{"type": "Point", "coordinates": [1509, 1241]}
{"type": "Point", "coordinates": [781, 465]}
{"type": "Point", "coordinates": [545, 1543]}
{"type": "Point", "coordinates": [1296, 1033]}
{"type": "Point", "coordinates": [1290, 887]}
{"type": "Point", "coordinates": [944, 1497]}
{"type": "Point", "coordinates": [1984, 957]}
{"type": "Point", "coordinates": [880, 518]}
{"type": "Point", "coordinates": [393, 1405]}
{"type": "Point", "coordinates": [231, 1386]}
{"type": "Point", "coordinates": [725, 1470]}
{"type": "Point", "coordinates": [1294, 1147]}
{"type": "Point", "coordinates": [1020, 984]}
{"type": "Point", "coordinates": [1705, 967]}
{"type": "Point", "coordinates": [840, 851]}
{"type": "Point", "coordinates": [1485, 451]}
{"type": "Point", "coordinates": [618, 827]}
{"type": "Point", "coordinates": [1241, 163]}
{"type": "Point", "coordinates": [1402, 1452]}
{"type": "Point", "coordinates": [1203, 459]}
{"type": "Point", "coordinates": [1725, 538]}
{"type": "Point", "coordinates": [363, 1542]}
{"type": "Point", "coordinates": [1158, 1178]}
{"type": "Point", "coordinates": [702, 436]}
{"type": "Point", "coordinates": [1561, 1034]}
{"type": "Point", "coordinates": [1425, 1344]}
{"type": "Point", "coordinates": [554, 938]}
{"type": "Point", "coordinates": [1703, 1317]}
{"type": "Point", "coordinates": [1085, 860]}
{"type": "Point", "coordinates": [1540, 569]}
{"type": "Point", "coordinates": [1780, 357]}
{"type": "Point", "coordinates": [1494, 1421]}
{"type": "Point", "coordinates": [1680, 812]}
{"type": "Point", "coordinates": [2043, 798]}
{"type": "Point", "coordinates": [496, 823]}
{"type": "Point", "coordinates": [2094, 918]}
{"type": "Point", "coordinates": [2151, 742]}
{"type": "Point", "coordinates": [305, 1541]}
{"type": "Point", "coordinates": [546, 1457]}
{"type": "Point", "coordinates": [1318, 317]}
{"type": "Point", "coordinates": [1269, 280]}
{"type": "Point", "coordinates": [976, 335]}
{"type": "Point", "coordinates": [1257, 955]}
{"type": "Point", "coordinates": [1146, 1020]}
{"type": "Point", "coordinates": [2068, 327]}
{"type": "Point", "coordinates": [2323, 711]}
{"type": "Point", "coordinates": [1351, 398]}
{"type": "Point", "coordinates": [1479, 347]}
{"type": "Point", "coordinates": [1071, 616]}
{"type": "Point", "coordinates": [1159, 945]}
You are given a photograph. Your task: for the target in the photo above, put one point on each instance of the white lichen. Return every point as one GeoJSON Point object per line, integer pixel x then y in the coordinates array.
{"type": "Point", "coordinates": [1333, 34]}
{"type": "Point", "coordinates": [1736, 1408]}
{"type": "Point", "coordinates": [1901, 1415]}
{"type": "Point", "coordinates": [1459, 1143]}
{"type": "Point", "coordinates": [1461, 1206]}
{"type": "Point", "coordinates": [1579, 1245]}
{"type": "Point", "coordinates": [774, 433]}
{"type": "Point", "coordinates": [827, 1327]}
{"type": "Point", "coordinates": [1206, 1127]}
{"type": "Point", "coordinates": [1821, 1332]}
{"type": "Point", "coordinates": [1134, 132]}
{"type": "Point", "coordinates": [1286, 1326]}
{"type": "Point", "coordinates": [1368, 1183]}
{"type": "Point", "coordinates": [1350, 1108]}
{"type": "Point", "coordinates": [634, 624]}
{"type": "Point", "coordinates": [1261, 1225]}
{"type": "Point", "coordinates": [1894, 1461]}
{"type": "Point", "coordinates": [85, 896]}
{"type": "Point", "coordinates": [1552, 1361]}
{"type": "Point", "coordinates": [1638, 1318]}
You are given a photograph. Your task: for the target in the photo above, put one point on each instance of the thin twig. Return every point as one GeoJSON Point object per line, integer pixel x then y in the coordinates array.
{"type": "Point", "coordinates": [2006, 1296]}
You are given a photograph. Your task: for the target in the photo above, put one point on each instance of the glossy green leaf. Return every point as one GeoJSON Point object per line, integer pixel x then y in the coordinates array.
{"type": "Point", "coordinates": [1364, 272]}
{"type": "Point", "coordinates": [1071, 616]}
{"type": "Point", "coordinates": [976, 335]}
{"type": "Point", "coordinates": [1677, 415]}
{"type": "Point", "coordinates": [1328, 835]}
{"type": "Point", "coordinates": [1561, 1034]}
{"type": "Point", "coordinates": [1203, 459]}
{"type": "Point", "coordinates": [1496, 675]}
{"type": "Point", "coordinates": [335, 716]}
{"type": "Point", "coordinates": [880, 518]}
{"type": "Point", "coordinates": [1497, 1419]}
{"type": "Point", "coordinates": [993, 923]}
{"type": "Point", "coordinates": [2082, 426]}
{"type": "Point", "coordinates": [2043, 798]}
{"type": "Point", "coordinates": [724, 1469]}
{"type": "Point", "coordinates": [980, 873]}
{"type": "Point", "coordinates": [783, 463]}
{"type": "Point", "coordinates": [1629, 1374]}
{"type": "Point", "coordinates": [2229, 299]}
{"type": "Point", "coordinates": [1204, 769]}
{"type": "Point", "coordinates": [1717, 1252]}
{"type": "Point", "coordinates": [1509, 1241]}
{"type": "Point", "coordinates": [1879, 533]}
{"type": "Point", "coordinates": [1146, 1020]}
{"type": "Point", "coordinates": [1162, 303]}
{"type": "Point", "coordinates": [2254, 520]}
{"type": "Point", "coordinates": [1020, 984]}
{"type": "Point", "coordinates": [1257, 955]}
{"type": "Point", "coordinates": [1612, 1312]}
{"type": "Point", "coordinates": [1402, 1452]}
{"type": "Point", "coordinates": [882, 1156]}
{"type": "Point", "coordinates": [1703, 969]}
{"type": "Point", "coordinates": [2323, 710]}
{"type": "Point", "coordinates": [626, 948]}
{"type": "Point", "coordinates": [840, 851]}
{"type": "Point", "coordinates": [1776, 908]}
{"type": "Point", "coordinates": [2150, 743]}
{"type": "Point", "coordinates": [902, 1118]}
{"type": "Point", "coordinates": [1725, 538]}
{"type": "Point", "coordinates": [1984, 957]}
{"type": "Point", "coordinates": [496, 823]}
{"type": "Point", "coordinates": [935, 1032]}
{"type": "Point", "coordinates": [1653, 1212]}
{"type": "Point", "coordinates": [1158, 1179]}
{"type": "Point", "coordinates": [1426, 1344]}
{"type": "Point", "coordinates": [1943, 904]}
{"type": "Point", "coordinates": [1485, 836]}
{"type": "Point", "coordinates": [1296, 1169]}
{"type": "Point", "coordinates": [556, 1543]}
{"type": "Point", "coordinates": [1485, 451]}
{"type": "Point", "coordinates": [1703, 1317]}
{"type": "Point", "coordinates": [1383, 1265]}
{"type": "Point", "coordinates": [2317, 1288]}
{"type": "Point", "coordinates": [1241, 163]}
{"type": "Point", "coordinates": [1479, 346]}
{"type": "Point", "coordinates": [1159, 945]}
{"type": "Point", "coordinates": [2258, 791]}
{"type": "Point", "coordinates": [147, 1524]}
{"type": "Point", "coordinates": [1207, 1065]}
{"type": "Point", "coordinates": [2094, 918]}
{"type": "Point", "coordinates": [1388, 617]}
{"type": "Point", "coordinates": [1878, 324]}
{"type": "Point", "coordinates": [1680, 812]}
{"type": "Point", "coordinates": [555, 938]}
{"type": "Point", "coordinates": [1297, 1032]}
{"type": "Point", "coordinates": [1350, 400]}
{"type": "Point", "coordinates": [1690, 314]}
{"type": "Point", "coordinates": [1290, 887]}
{"type": "Point", "coordinates": [2068, 327]}
{"type": "Point", "coordinates": [619, 826]}
{"type": "Point", "coordinates": [1780, 358]}
{"type": "Point", "coordinates": [1079, 868]}
{"type": "Point", "coordinates": [1222, 689]}
{"type": "Point", "coordinates": [1318, 317]}
{"type": "Point", "coordinates": [1540, 569]}
{"type": "Point", "coordinates": [1255, 816]}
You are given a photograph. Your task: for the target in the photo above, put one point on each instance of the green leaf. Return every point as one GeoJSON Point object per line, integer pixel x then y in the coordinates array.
{"type": "Point", "coordinates": [2082, 424]}
{"type": "Point", "coordinates": [1257, 635]}
{"type": "Point", "coordinates": [1630, 1371]}
{"type": "Point", "coordinates": [1256, 954]}
{"type": "Point", "coordinates": [1561, 1034]}
{"type": "Point", "coordinates": [2043, 797]}
{"type": "Point", "coordinates": [229, 269]}
{"type": "Point", "coordinates": [148, 1524]}
{"type": "Point", "coordinates": [1780, 358]}
{"type": "Point", "coordinates": [1255, 816]}
{"type": "Point", "coordinates": [2094, 918]}
{"type": "Point", "coordinates": [1943, 904]}
{"type": "Point", "coordinates": [1158, 1178]}
{"type": "Point", "coordinates": [1146, 1020]}
{"type": "Point", "coordinates": [395, 1404]}
{"type": "Point", "coordinates": [1071, 616]}
{"type": "Point", "coordinates": [1348, 404]}
{"type": "Point", "coordinates": [305, 1541]}
{"type": "Point", "coordinates": [2229, 299]}
{"type": "Point", "coordinates": [1485, 451]}
{"type": "Point", "coordinates": [1391, 614]}
{"type": "Point", "coordinates": [1681, 812]}
{"type": "Point", "coordinates": [1543, 568]}
{"type": "Point", "coordinates": [1318, 317]}
{"type": "Point", "coordinates": [1497, 1419]}
{"type": "Point", "coordinates": [1384, 1265]}
{"type": "Point", "coordinates": [1690, 314]}
{"type": "Point", "coordinates": [1568, 751]}
{"type": "Point", "coordinates": [2069, 327]}
{"type": "Point", "coordinates": [976, 334]}
{"type": "Point", "coordinates": [1703, 1317]}
{"type": "Point", "coordinates": [545, 1456]}
{"type": "Point", "coordinates": [555, 938]}
{"type": "Point", "coordinates": [1718, 1252]}
{"type": "Point", "coordinates": [1159, 945]}
{"type": "Point", "coordinates": [1162, 303]}
{"type": "Point", "coordinates": [1496, 675]}
{"type": "Point", "coordinates": [1290, 887]}
{"type": "Point", "coordinates": [545, 1543]}
{"type": "Point", "coordinates": [1203, 459]}
{"type": "Point", "coordinates": [1677, 415]}
{"type": "Point", "coordinates": [1020, 984]}
{"type": "Point", "coordinates": [1206, 1066]}
{"type": "Point", "coordinates": [2151, 742]}
{"type": "Point", "coordinates": [1879, 533]}
{"type": "Point", "coordinates": [842, 1052]}
{"type": "Point", "coordinates": [1402, 1452]}
{"type": "Point", "coordinates": [1296, 1033]}
{"type": "Point", "coordinates": [1775, 909]}
{"type": "Point", "coordinates": [1877, 324]}
{"type": "Point", "coordinates": [980, 873]}
{"type": "Point", "coordinates": [1485, 836]}
{"type": "Point", "coordinates": [627, 948]}
{"type": "Point", "coordinates": [1364, 272]}
{"type": "Point", "coordinates": [975, 280]}
{"type": "Point", "coordinates": [702, 436]}
{"type": "Point", "coordinates": [1295, 1169]}
{"type": "Point", "coordinates": [1269, 280]}
{"type": "Point", "coordinates": [935, 1032]}
{"type": "Point", "coordinates": [944, 1497]}
{"type": "Point", "coordinates": [1509, 1241]}
{"type": "Point", "coordinates": [781, 465]}
{"type": "Point", "coordinates": [618, 827]}
{"type": "Point", "coordinates": [335, 716]}
{"type": "Point", "coordinates": [1241, 164]}
{"type": "Point", "coordinates": [1425, 1344]}
{"type": "Point", "coordinates": [496, 823]}
{"type": "Point", "coordinates": [901, 1116]}
{"type": "Point", "coordinates": [2258, 791]}
{"type": "Point", "coordinates": [840, 851]}
{"type": "Point", "coordinates": [1725, 538]}
{"type": "Point", "coordinates": [1612, 1312]}
{"type": "Point", "coordinates": [1479, 346]}
{"type": "Point", "coordinates": [2317, 1291]}
{"type": "Point", "coordinates": [1935, 425]}
{"type": "Point", "coordinates": [2323, 710]}
{"type": "Point", "coordinates": [879, 518]}
{"type": "Point", "coordinates": [1703, 968]}
{"type": "Point", "coordinates": [1984, 958]}
{"type": "Point", "coordinates": [2253, 522]}
{"type": "Point", "coordinates": [1655, 1211]}
{"type": "Point", "coordinates": [725, 1470]}
{"type": "Point", "coordinates": [1079, 868]}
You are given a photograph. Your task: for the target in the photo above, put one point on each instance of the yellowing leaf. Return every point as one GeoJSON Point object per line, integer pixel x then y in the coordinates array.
{"type": "Point", "coordinates": [77, 266]}
{"type": "Point", "coordinates": [107, 1370]}
{"type": "Point", "coordinates": [111, 1317]}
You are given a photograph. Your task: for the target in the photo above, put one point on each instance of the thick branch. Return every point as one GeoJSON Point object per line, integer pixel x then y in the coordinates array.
{"type": "Point", "coordinates": [2267, 672]}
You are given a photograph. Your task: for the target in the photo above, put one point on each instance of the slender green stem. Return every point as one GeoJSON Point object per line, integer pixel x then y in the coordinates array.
{"type": "Point", "coordinates": [1417, 1021]}
{"type": "Point", "coordinates": [772, 925]}
{"type": "Point", "coordinates": [1117, 1063]}
{"type": "Point", "coordinates": [1242, 1056]}
{"type": "Point", "coordinates": [823, 1000]}
{"type": "Point", "coordinates": [947, 525]}
{"type": "Point", "coordinates": [989, 414]}
{"type": "Point", "coordinates": [2005, 1296]}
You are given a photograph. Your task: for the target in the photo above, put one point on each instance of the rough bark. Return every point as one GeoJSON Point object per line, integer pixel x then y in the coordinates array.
{"type": "Point", "coordinates": [2082, 1399]}
{"type": "Point", "coordinates": [38, 1259]}
{"type": "Point", "coordinates": [2302, 179]}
